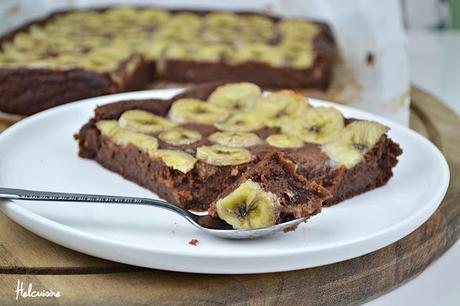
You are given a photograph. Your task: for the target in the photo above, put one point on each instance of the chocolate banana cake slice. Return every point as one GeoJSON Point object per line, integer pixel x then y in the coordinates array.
{"type": "Point", "coordinates": [268, 193]}
{"type": "Point", "coordinates": [207, 144]}
{"type": "Point", "coordinates": [78, 54]}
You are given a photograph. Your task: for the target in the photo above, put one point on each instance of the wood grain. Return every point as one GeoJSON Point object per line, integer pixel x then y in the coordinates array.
{"type": "Point", "coordinates": [83, 279]}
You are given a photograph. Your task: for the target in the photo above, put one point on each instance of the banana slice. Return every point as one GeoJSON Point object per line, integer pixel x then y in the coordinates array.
{"type": "Point", "coordinates": [241, 122]}
{"type": "Point", "coordinates": [221, 19]}
{"type": "Point", "coordinates": [255, 21]}
{"type": "Point", "coordinates": [185, 20]}
{"type": "Point", "coordinates": [318, 125]}
{"type": "Point", "coordinates": [196, 111]}
{"type": "Point", "coordinates": [219, 155]}
{"type": "Point", "coordinates": [210, 53]}
{"type": "Point", "coordinates": [144, 122]}
{"type": "Point", "coordinates": [258, 52]}
{"type": "Point", "coordinates": [122, 137]}
{"type": "Point", "coordinates": [179, 136]}
{"type": "Point", "coordinates": [176, 51]}
{"type": "Point", "coordinates": [153, 16]}
{"type": "Point", "coordinates": [177, 160]}
{"type": "Point", "coordinates": [281, 107]}
{"type": "Point", "coordinates": [108, 128]}
{"type": "Point", "coordinates": [303, 60]}
{"type": "Point", "coordinates": [354, 141]}
{"type": "Point", "coordinates": [24, 41]}
{"type": "Point", "coordinates": [121, 13]}
{"type": "Point", "coordinates": [235, 96]}
{"type": "Point", "coordinates": [249, 206]}
{"type": "Point", "coordinates": [284, 141]}
{"type": "Point", "coordinates": [296, 27]}
{"type": "Point", "coordinates": [235, 139]}
{"type": "Point", "coordinates": [154, 48]}
{"type": "Point", "coordinates": [144, 142]}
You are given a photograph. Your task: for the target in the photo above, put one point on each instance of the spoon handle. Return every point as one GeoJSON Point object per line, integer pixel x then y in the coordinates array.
{"type": "Point", "coordinates": [33, 195]}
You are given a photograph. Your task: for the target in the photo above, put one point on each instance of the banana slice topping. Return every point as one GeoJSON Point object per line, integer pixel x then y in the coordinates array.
{"type": "Point", "coordinates": [196, 111]}
{"type": "Point", "coordinates": [179, 136]}
{"type": "Point", "coordinates": [354, 141]}
{"type": "Point", "coordinates": [281, 107]}
{"type": "Point", "coordinates": [249, 207]}
{"type": "Point", "coordinates": [123, 137]}
{"type": "Point", "coordinates": [178, 160]}
{"type": "Point", "coordinates": [241, 122]}
{"type": "Point", "coordinates": [284, 141]}
{"type": "Point", "coordinates": [108, 128]}
{"type": "Point", "coordinates": [235, 139]}
{"type": "Point", "coordinates": [235, 96]}
{"type": "Point", "coordinates": [144, 122]}
{"type": "Point", "coordinates": [161, 35]}
{"type": "Point", "coordinates": [317, 125]}
{"type": "Point", "coordinates": [219, 155]}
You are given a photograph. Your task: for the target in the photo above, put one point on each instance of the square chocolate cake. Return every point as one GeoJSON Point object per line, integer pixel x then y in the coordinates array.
{"type": "Point", "coordinates": [241, 154]}
{"type": "Point", "coordinates": [78, 54]}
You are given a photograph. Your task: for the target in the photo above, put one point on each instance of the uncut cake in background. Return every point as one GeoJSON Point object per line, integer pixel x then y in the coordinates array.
{"type": "Point", "coordinates": [78, 54]}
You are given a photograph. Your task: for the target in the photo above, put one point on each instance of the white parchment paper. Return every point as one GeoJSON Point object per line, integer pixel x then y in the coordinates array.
{"type": "Point", "coordinates": [369, 33]}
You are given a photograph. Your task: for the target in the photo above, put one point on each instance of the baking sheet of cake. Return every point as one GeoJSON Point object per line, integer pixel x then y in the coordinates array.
{"type": "Point", "coordinates": [374, 72]}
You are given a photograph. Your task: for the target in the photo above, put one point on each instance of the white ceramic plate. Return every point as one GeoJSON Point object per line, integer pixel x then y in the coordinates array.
{"type": "Point", "coordinates": [40, 153]}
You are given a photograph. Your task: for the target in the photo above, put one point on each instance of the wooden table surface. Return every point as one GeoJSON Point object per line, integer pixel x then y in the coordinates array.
{"type": "Point", "coordinates": [85, 280]}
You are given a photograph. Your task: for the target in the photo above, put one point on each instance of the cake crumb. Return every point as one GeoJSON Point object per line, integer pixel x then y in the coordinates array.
{"type": "Point", "coordinates": [370, 58]}
{"type": "Point", "coordinates": [193, 242]}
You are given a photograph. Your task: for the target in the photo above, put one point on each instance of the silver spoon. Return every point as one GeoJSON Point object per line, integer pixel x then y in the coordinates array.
{"type": "Point", "coordinates": [203, 222]}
